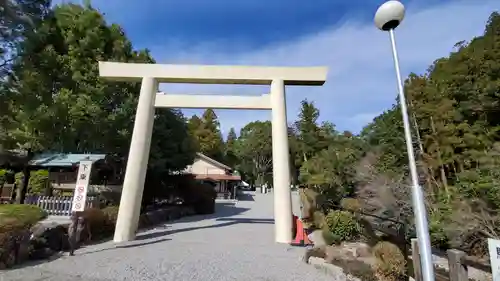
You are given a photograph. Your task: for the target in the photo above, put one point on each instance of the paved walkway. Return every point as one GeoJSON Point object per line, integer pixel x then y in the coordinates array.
{"type": "Point", "coordinates": [234, 244]}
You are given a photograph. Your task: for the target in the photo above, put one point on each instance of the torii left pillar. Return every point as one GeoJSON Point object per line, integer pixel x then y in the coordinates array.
{"type": "Point", "coordinates": [137, 163]}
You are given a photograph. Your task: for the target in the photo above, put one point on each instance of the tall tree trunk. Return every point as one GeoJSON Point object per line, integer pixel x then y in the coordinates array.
{"type": "Point", "coordinates": [417, 130]}
{"type": "Point", "coordinates": [23, 188]}
{"type": "Point", "coordinates": [442, 171]}
{"type": "Point", "coordinates": [48, 186]}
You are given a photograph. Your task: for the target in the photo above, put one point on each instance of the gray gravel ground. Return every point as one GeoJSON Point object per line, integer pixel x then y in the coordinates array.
{"type": "Point", "coordinates": [237, 243]}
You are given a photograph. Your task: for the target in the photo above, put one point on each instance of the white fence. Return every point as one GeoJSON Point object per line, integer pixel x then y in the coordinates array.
{"type": "Point", "coordinates": [57, 205]}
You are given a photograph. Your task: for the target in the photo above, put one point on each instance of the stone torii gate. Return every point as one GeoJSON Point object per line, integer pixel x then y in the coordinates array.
{"type": "Point", "coordinates": [152, 74]}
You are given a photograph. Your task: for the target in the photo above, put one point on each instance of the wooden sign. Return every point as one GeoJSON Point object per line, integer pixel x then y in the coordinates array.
{"type": "Point", "coordinates": [81, 187]}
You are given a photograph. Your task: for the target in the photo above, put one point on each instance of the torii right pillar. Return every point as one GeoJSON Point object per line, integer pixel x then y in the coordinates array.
{"type": "Point", "coordinates": [281, 165]}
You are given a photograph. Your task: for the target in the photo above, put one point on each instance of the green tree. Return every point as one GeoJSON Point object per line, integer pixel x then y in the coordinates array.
{"type": "Point", "coordinates": [210, 137]}
{"type": "Point", "coordinates": [454, 110]}
{"type": "Point", "coordinates": [58, 102]}
{"type": "Point", "coordinates": [332, 171]}
{"type": "Point", "coordinates": [231, 150]}
{"type": "Point", "coordinates": [18, 19]}
{"type": "Point", "coordinates": [194, 127]}
{"type": "Point", "coordinates": [310, 137]}
{"type": "Point", "coordinates": [254, 151]}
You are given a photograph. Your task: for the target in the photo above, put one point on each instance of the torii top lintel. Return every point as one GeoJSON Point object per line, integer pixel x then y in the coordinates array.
{"type": "Point", "coordinates": [213, 74]}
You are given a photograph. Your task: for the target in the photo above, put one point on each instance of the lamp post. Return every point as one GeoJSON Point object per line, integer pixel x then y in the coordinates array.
{"type": "Point", "coordinates": [387, 18]}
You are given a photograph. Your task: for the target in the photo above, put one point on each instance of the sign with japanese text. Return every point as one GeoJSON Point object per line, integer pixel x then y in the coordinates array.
{"type": "Point", "coordinates": [494, 251]}
{"type": "Point", "coordinates": [81, 187]}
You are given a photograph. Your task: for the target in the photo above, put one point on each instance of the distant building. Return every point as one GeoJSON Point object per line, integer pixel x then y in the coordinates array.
{"type": "Point", "coordinates": [209, 170]}
{"type": "Point", "coordinates": [107, 174]}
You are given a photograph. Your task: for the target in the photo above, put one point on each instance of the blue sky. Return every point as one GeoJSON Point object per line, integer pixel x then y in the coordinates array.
{"type": "Point", "coordinates": [338, 34]}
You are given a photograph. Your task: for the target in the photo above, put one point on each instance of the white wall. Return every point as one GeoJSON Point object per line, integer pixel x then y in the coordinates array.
{"type": "Point", "coordinates": [201, 167]}
{"type": "Point", "coordinates": [91, 188]}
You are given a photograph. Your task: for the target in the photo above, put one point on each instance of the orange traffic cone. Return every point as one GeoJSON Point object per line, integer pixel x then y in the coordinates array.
{"type": "Point", "coordinates": [301, 238]}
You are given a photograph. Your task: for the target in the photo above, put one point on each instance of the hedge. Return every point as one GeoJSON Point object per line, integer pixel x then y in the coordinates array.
{"type": "Point", "coordinates": [38, 181]}
{"type": "Point", "coordinates": [27, 215]}
{"type": "Point", "coordinates": [15, 221]}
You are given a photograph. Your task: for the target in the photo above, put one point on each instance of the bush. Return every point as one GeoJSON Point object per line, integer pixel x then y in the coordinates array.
{"type": "Point", "coordinates": [206, 201]}
{"type": "Point", "coordinates": [390, 262]}
{"type": "Point", "coordinates": [38, 181]}
{"type": "Point", "coordinates": [438, 235]}
{"type": "Point", "coordinates": [17, 218]}
{"type": "Point", "coordinates": [108, 198]}
{"type": "Point", "coordinates": [27, 215]}
{"type": "Point", "coordinates": [111, 214]}
{"type": "Point", "coordinates": [342, 226]}
{"type": "Point", "coordinates": [319, 219]}
{"type": "Point", "coordinates": [98, 223]}
{"type": "Point", "coordinates": [15, 222]}
{"type": "Point", "coordinates": [328, 236]}
{"type": "Point", "coordinates": [201, 196]}
{"type": "Point", "coordinates": [350, 204]}
{"type": "Point", "coordinates": [6, 176]}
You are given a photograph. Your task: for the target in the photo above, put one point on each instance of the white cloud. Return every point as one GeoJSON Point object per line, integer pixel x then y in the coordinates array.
{"type": "Point", "coordinates": [361, 81]}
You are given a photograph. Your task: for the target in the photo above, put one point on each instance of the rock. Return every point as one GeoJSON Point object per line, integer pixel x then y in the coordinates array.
{"type": "Point", "coordinates": [40, 228]}
{"type": "Point", "coordinates": [328, 253]}
{"type": "Point", "coordinates": [41, 253]}
{"type": "Point", "coordinates": [346, 251]}
{"type": "Point", "coordinates": [162, 215]}
{"type": "Point", "coordinates": [143, 220]}
{"type": "Point", "coordinates": [8, 253]}
{"type": "Point", "coordinates": [48, 236]}
{"type": "Point", "coordinates": [23, 247]}
{"type": "Point", "coordinates": [14, 247]}
{"type": "Point", "coordinates": [317, 238]}
{"type": "Point", "coordinates": [153, 217]}
{"type": "Point", "coordinates": [175, 213]}
{"type": "Point", "coordinates": [356, 249]}
{"type": "Point", "coordinates": [190, 211]}
{"type": "Point", "coordinates": [363, 251]}
{"type": "Point", "coordinates": [10, 257]}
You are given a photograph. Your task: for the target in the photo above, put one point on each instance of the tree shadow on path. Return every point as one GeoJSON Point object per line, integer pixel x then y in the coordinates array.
{"type": "Point", "coordinates": [246, 197]}
{"type": "Point", "coordinates": [225, 222]}
{"type": "Point", "coordinates": [222, 209]}
{"type": "Point", "coordinates": [125, 246]}
{"type": "Point", "coordinates": [247, 220]}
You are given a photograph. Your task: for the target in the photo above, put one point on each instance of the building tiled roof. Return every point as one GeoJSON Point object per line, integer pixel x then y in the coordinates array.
{"type": "Point", "coordinates": [217, 177]}
{"type": "Point", "coordinates": [63, 159]}
{"type": "Point", "coordinates": [213, 162]}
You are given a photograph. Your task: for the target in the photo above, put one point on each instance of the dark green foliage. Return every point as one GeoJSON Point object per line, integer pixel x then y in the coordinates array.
{"type": "Point", "coordinates": [207, 136]}
{"type": "Point", "coordinates": [342, 226]}
{"type": "Point", "coordinates": [57, 101]}
{"type": "Point", "coordinates": [26, 215]}
{"type": "Point", "coordinates": [254, 151]}
{"type": "Point", "coordinates": [200, 196]}
{"type": "Point", "coordinates": [15, 221]}
{"type": "Point", "coordinates": [6, 176]}
{"type": "Point", "coordinates": [38, 181]}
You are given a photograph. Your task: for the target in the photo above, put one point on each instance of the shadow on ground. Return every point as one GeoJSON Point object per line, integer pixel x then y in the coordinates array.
{"type": "Point", "coordinates": [31, 263]}
{"type": "Point", "coordinates": [247, 220]}
{"type": "Point", "coordinates": [225, 222]}
{"type": "Point", "coordinates": [245, 197]}
{"type": "Point", "coordinates": [222, 209]}
{"type": "Point", "coordinates": [131, 245]}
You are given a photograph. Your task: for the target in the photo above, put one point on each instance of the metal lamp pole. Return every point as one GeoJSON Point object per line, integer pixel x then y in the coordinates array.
{"type": "Point", "coordinates": [387, 18]}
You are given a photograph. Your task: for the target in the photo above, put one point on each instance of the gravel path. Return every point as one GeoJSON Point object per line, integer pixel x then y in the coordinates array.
{"type": "Point", "coordinates": [234, 244]}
